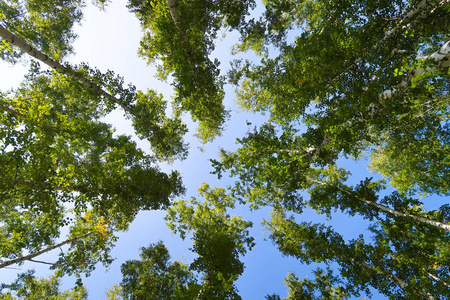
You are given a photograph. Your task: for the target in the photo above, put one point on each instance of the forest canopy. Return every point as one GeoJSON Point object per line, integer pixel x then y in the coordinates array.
{"type": "Point", "coordinates": [337, 83]}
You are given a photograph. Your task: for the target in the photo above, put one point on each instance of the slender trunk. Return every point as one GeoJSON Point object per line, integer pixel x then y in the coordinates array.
{"type": "Point", "coordinates": [439, 280]}
{"type": "Point", "coordinates": [172, 4]}
{"type": "Point", "coordinates": [205, 281]}
{"type": "Point", "coordinates": [33, 255]}
{"type": "Point", "coordinates": [388, 276]}
{"type": "Point", "coordinates": [442, 56]}
{"type": "Point", "coordinates": [415, 218]}
{"type": "Point", "coordinates": [27, 48]}
{"type": "Point", "coordinates": [384, 208]}
{"type": "Point", "coordinates": [422, 8]}
{"type": "Point", "coordinates": [400, 283]}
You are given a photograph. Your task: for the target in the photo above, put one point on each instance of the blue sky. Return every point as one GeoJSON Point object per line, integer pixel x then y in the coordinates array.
{"type": "Point", "coordinates": [109, 40]}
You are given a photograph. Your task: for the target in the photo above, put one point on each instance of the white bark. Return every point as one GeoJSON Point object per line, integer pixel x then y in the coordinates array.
{"type": "Point", "coordinates": [442, 56]}
{"type": "Point", "coordinates": [33, 255]}
{"type": "Point", "coordinates": [27, 48]}
{"type": "Point", "coordinates": [172, 4]}
{"type": "Point", "coordinates": [392, 278]}
{"type": "Point", "coordinates": [439, 280]}
{"type": "Point", "coordinates": [438, 224]}
{"type": "Point", "coordinates": [411, 18]}
{"type": "Point", "coordinates": [384, 208]}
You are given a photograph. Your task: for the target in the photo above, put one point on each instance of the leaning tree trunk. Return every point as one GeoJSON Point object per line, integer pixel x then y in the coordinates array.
{"type": "Point", "coordinates": [412, 17]}
{"type": "Point", "coordinates": [392, 278]}
{"type": "Point", "coordinates": [172, 4]}
{"type": "Point", "coordinates": [30, 50]}
{"type": "Point", "coordinates": [33, 255]}
{"type": "Point", "coordinates": [420, 219]}
{"type": "Point", "coordinates": [386, 209]}
{"type": "Point", "coordinates": [442, 57]}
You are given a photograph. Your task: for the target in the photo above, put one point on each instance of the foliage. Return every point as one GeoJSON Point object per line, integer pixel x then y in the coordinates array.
{"type": "Point", "coordinates": [360, 75]}
{"type": "Point", "coordinates": [56, 154]}
{"type": "Point", "coordinates": [27, 286]}
{"type": "Point", "coordinates": [55, 150]}
{"type": "Point", "coordinates": [219, 241]}
{"type": "Point", "coordinates": [339, 79]}
{"type": "Point", "coordinates": [347, 79]}
{"type": "Point", "coordinates": [218, 238]}
{"type": "Point", "coordinates": [155, 277]}
{"type": "Point", "coordinates": [397, 266]}
{"type": "Point", "coordinates": [48, 24]}
{"type": "Point", "coordinates": [325, 284]}
{"type": "Point", "coordinates": [181, 35]}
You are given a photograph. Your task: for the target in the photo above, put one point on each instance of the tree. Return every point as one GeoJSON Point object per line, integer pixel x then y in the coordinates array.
{"type": "Point", "coordinates": [181, 35]}
{"type": "Point", "coordinates": [56, 153]}
{"type": "Point", "coordinates": [55, 147]}
{"type": "Point", "coordinates": [27, 286]}
{"type": "Point", "coordinates": [392, 266]}
{"type": "Point", "coordinates": [360, 75]}
{"type": "Point", "coordinates": [271, 166]}
{"type": "Point", "coordinates": [48, 24]}
{"type": "Point", "coordinates": [326, 284]}
{"type": "Point", "coordinates": [274, 170]}
{"type": "Point", "coordinates": [363, 199]}
{"type": "Point", "coordinates": [146, 111]}
{"type": "Point", "coordinates": [218, 238]}
{"type": "Point", "coordinates": [155, 277]}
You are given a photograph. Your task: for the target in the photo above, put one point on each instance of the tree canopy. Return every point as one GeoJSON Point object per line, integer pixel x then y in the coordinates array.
{"type": "Point", "coordinates": [338, 81]}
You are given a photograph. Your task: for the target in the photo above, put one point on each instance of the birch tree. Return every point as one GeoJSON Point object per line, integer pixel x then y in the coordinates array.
{"type": "Point", "coordinates": [47, 24]}
{"type": "Point", "coordinates": [181, 35]}
{"type": "Point", "coordinates": [55, 154]}
{"type": "Point", "coordinates": [360, 75]}
{"type": "Point", "coordinates": [274, 168]}
{"type": "Point", "coordinates": [89, 241]}
{"type": "Point", "coordinates": [147, 111]}
{"type": "Point", "coordinates": [27, 286]}
{"type": "Point", "coordinates": [219, 240]}
{"type": "Point", "coordinates": [384, 266]}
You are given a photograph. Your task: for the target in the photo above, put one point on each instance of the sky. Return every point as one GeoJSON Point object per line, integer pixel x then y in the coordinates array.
{"type": "Point", "coordinates": [109, 40]}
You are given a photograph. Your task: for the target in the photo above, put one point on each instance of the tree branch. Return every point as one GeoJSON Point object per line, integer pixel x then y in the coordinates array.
{"type": "Point", "coordinates": [33, 255]}
{"type": "Point", "coordinates": [27, 48]}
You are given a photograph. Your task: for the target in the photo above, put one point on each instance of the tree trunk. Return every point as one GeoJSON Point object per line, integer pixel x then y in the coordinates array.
{"type": "Point", "coordinates": [33, 255]}
{"type": "Point", "coordinates": [422, 8]}
{"type": "Point", "coordinates": [384, 208]}
{"type": "Point", "coordinates": [172, 4]}
{"type": "Point", "coordinates": [438, 224]}
{"type": "Point", "coordinates": [442, 56]}
{"type": "Point", "coordinates": [392, 278]}
{"type": "Point", "coordinates": [27, 48]}
{"type": "Point", "coordinates": [439, 280]}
